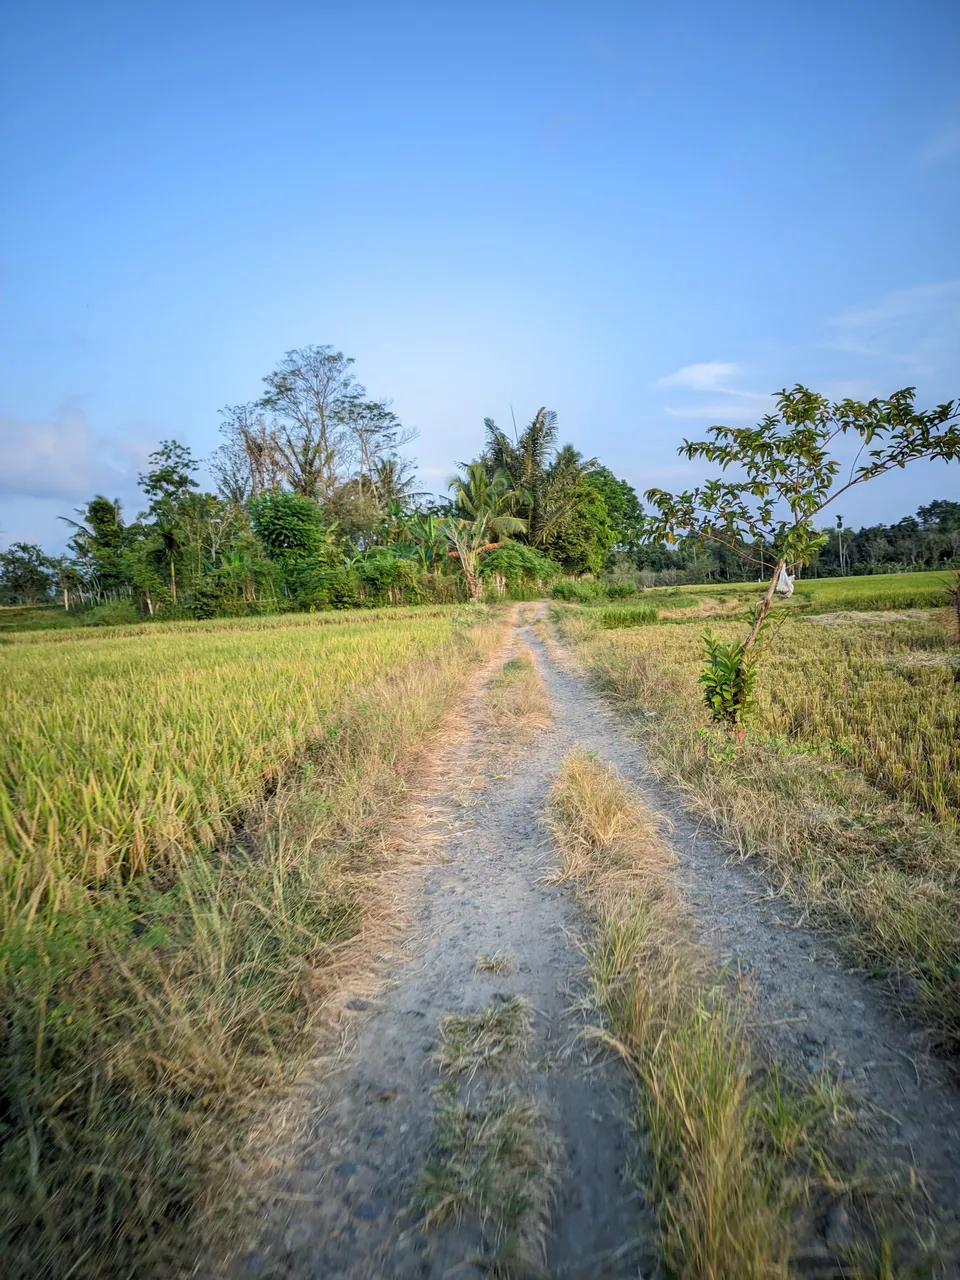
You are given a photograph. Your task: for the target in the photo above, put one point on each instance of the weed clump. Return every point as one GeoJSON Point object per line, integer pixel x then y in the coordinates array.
{"type": "Point", "coordinates": [491, 1038]}
{"type": "Point", "coordinates": [497, 1162]}
{"type": "Point", "coordinates": [517, 703]}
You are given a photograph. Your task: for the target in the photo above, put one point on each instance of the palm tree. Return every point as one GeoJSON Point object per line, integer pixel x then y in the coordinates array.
{"type": "Point", "coordinates": [542, 478]}
{"type": "Point", "coordinates": [562, 486]}
{"type": "Point", "coordinates": [426, 533]}
{"type": "Point", "coordinates": [393, 479]}
{"type": "Point", "coordinates": [484, 521]}
{"type": "Point", "coordinates": [525, 462]}
{"type": "Point", "coordinates": [166, 546]}
{"type": "Point", "coordinates": [478, 492]}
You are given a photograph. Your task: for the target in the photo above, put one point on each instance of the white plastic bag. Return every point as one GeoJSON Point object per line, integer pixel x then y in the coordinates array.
{"type": "Point", "coordinates": [784, 585]}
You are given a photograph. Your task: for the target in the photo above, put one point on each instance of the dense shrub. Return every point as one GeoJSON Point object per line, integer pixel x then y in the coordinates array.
{"type": "Point", "coordinates": [516, 563]}
{"type": "Point", "coordinates": [388, 579]}
{"type": "Point", "coordinates": [115, 613]}
{"type": "Point", "coordinates": [336, 587]}
{"type": "Point", "coordinates": [578, 591]}
{"type": "Point", "coordinates": [621, 590]}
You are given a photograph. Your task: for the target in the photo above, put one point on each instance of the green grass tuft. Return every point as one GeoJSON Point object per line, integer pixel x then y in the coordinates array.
{"type": "Point", "coordinates": [491, 1038]}
{"type": "Point", "coordinates": [497, 1163]}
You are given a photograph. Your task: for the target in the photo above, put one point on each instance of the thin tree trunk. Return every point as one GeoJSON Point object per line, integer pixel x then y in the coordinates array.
{"type": "Point", "coordinates": [764, 608]}
{"type": "Point", "coordinates": [173, 583]}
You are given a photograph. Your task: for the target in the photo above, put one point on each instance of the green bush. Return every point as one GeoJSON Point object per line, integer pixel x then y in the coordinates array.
{"type": "Point", "coordinates": [621, 590]}
{"type": "Point", "coordinates": [336, 587]}
{"type": "Point", "coordinates": [583, 591]}
{"type": "Point", "coordinates": [388, 579]}
{"type": "Point", "coordinates": [514, 562]}
{"type": "Point", "coordinates": [728, 679]}
{"type": "Point", "coordinates": [641, 615]}
{"type": "Point", "coordinates": [115, 613]}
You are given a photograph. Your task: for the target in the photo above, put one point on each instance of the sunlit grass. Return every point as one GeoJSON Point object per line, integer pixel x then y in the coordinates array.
{"type": "Point", "coordinates": [118, 755]}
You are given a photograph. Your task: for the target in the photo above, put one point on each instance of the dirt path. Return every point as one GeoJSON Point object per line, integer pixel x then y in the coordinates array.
{"type": "Point", "coordinates": [343, 1207]}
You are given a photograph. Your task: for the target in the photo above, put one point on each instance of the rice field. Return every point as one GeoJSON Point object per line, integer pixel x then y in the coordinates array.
{"type": "Point", "coordinates": [922, 590]}
{"type": "Point", "coordinates": [121, 753]}
{"type": "Point", "coordinates": [878, 698]}
{"type": "Point", "coordinates": [193, 824]}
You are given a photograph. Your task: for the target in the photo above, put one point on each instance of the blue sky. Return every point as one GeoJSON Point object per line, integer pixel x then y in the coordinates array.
{"type": "Point", "coordinates": [646, 216]}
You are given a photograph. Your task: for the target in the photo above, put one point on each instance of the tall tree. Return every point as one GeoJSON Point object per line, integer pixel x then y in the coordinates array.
{"type": "Point", "coordinates": [582, 541]}
{"type": "Point", "coordinates": [169, 484]}
{"type": "Point", "coordinates": [98, 543]}
{"type": "Point", "coordinates": [526, 462]}
{"type": "Point", "coordinates": [313, 394]}
{"type": "Point", "coordinates": [477, 494]}
{"type": "Point", "coordinates": [170, 476]}
{"type": "Point", "coordinates": [623, 508]}
{"type": "Point", "coordinates": [248, 462]}
{"type": "Point", "coordinates": [545, 480]}
{"type": "Point", "coordinates": [26, 574]}
{"type": "Point", "coordinates": [377, 434]}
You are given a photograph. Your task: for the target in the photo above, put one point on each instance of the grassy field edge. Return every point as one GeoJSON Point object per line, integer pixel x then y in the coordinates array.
{"type": "Point", "coordinates": [740, 1161]}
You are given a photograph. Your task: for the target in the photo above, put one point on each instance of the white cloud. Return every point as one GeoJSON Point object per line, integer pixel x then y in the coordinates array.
{"type": "Point", "coordinates": [708, 376]}
{"type": "Point", "coordinates": [63, 458]}
{"type": "Point", "coordinates": [917, 327]}
{"type": "Point", "coordinates": [714, 378]}
{"type": "Point", "coordinates": [942, 145]}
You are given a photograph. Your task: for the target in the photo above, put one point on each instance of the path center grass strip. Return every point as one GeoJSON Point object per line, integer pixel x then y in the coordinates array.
{"type": "Point", "coordinates": [193, 833]}
{"type": "Point", "coordinates": [740, 1161]}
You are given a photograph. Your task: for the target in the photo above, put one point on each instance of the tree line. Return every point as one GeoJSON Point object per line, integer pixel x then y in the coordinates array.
{"type": "Point", "coordinates": [930, 539]}
{"type": "Point", "coordinates": [316, 506]}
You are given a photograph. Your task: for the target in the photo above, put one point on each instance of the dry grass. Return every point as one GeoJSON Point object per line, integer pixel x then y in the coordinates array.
{"type": "Point", "coordinates": [493, 1037]}
{"type": "Point", "coordinates": [494, 1161]}
{"type": "Point", "coordinates": [497, 963]}
{"type": "Point", "coordinates": [516, 704]}
{"type": "Point", "coordinates": [845, 781]}
{"type": "Point", "coordinates": [148, 1018]}
{"type": "Point", "coordinates": [721, 1212]}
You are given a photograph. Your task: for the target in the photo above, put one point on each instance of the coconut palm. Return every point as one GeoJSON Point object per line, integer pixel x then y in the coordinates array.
{"type": "Point", "coordinates": [478, 493]}
{"type": "Point", "coordinates": [543, 480]}
{"type": "Point", "coordinates": [484, 505]}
